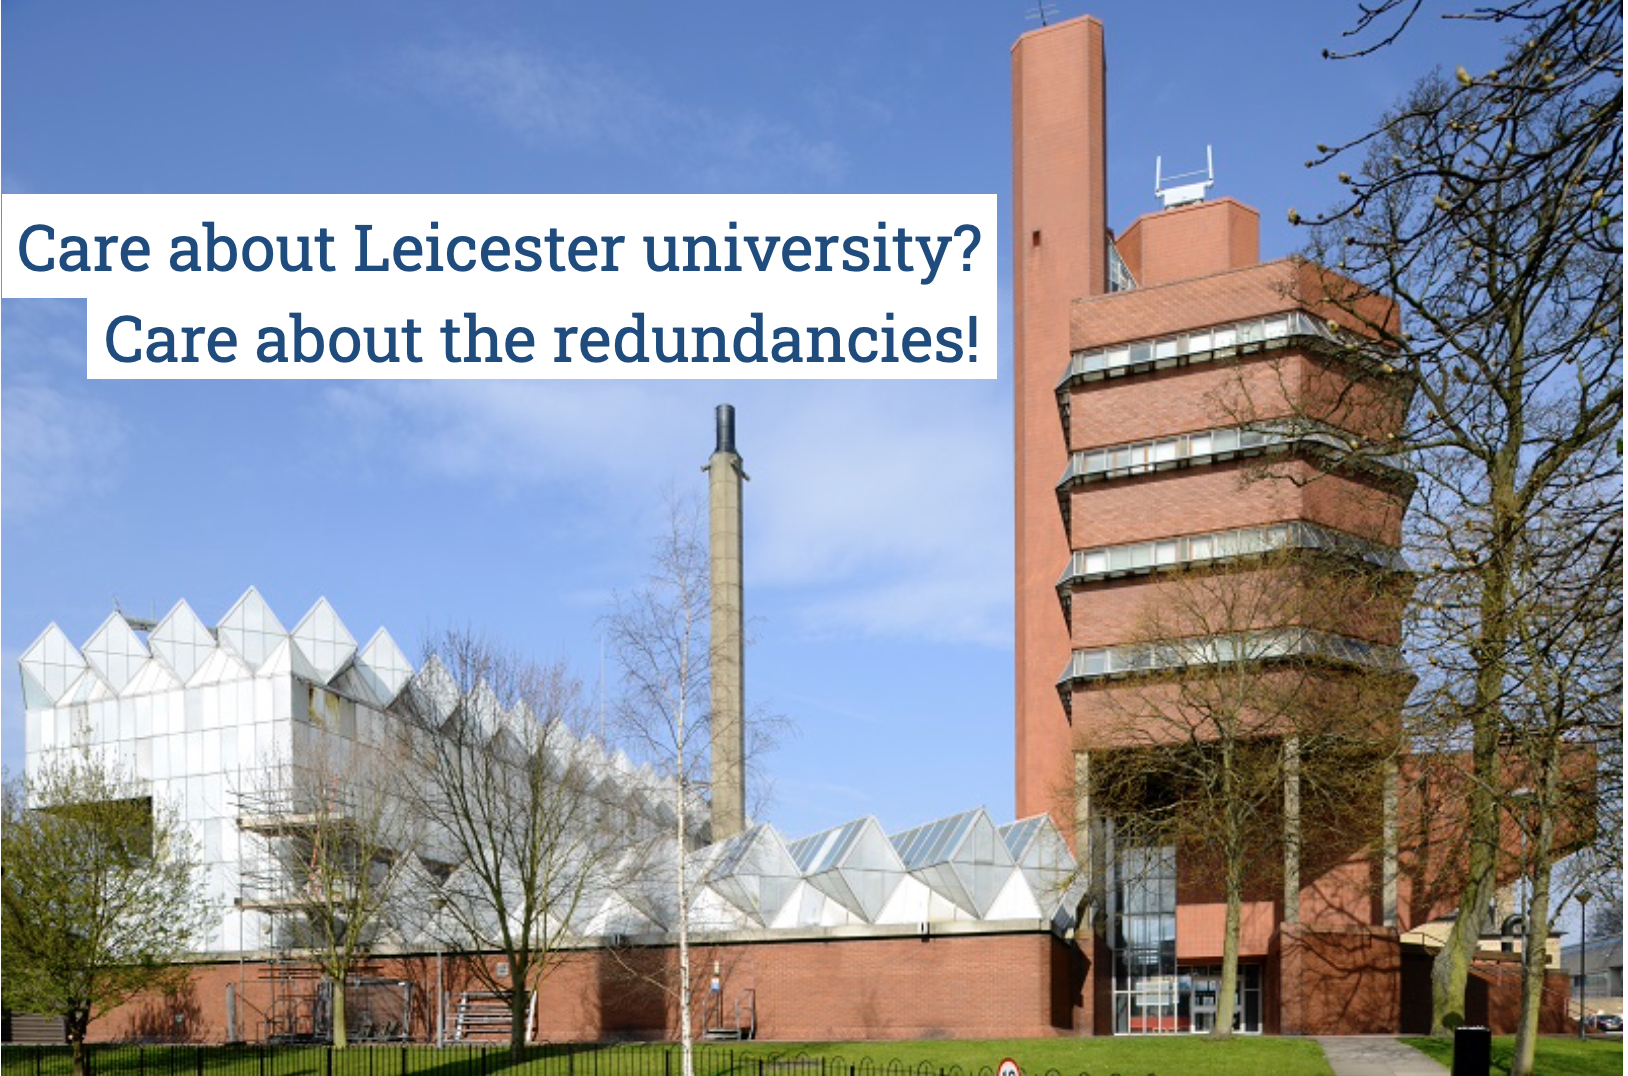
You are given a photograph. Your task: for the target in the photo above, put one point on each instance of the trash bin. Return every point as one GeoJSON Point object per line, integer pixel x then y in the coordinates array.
{"type": "Point", "coordinates": [1472, 1051]}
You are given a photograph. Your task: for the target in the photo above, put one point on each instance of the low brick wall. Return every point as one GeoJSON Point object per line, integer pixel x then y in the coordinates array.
{"type": "Point", "coordinates": [945, 985]}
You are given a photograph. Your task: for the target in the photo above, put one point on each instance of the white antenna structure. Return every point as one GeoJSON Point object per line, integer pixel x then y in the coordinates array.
{"type": "Point", "coordinates": [1184, 188]}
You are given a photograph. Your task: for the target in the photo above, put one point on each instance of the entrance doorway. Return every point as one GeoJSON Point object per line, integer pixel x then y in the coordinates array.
{"type": "Point", "coordinates": [1202, 986]}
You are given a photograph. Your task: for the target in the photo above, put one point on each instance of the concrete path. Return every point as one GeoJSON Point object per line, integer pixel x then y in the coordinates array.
{"type": "Point", "coordinates": [1375, 1055]}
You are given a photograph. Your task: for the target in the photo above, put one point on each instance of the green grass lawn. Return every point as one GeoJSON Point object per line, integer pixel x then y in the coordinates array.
{"type": "Point", "coordinates": [1556, 1056]}
{"type": "Point", "coordinates": [1067, 1057]}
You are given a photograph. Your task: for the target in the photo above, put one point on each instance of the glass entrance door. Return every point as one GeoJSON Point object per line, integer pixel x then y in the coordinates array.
{"type": "Point", "coordinates": [1203, 988]}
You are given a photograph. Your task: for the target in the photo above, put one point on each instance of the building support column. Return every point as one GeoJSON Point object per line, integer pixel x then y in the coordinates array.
{"type": "Point", "coordinates": [1389, 861]}
{"type": "Point", "coordinates": [1291, 830]}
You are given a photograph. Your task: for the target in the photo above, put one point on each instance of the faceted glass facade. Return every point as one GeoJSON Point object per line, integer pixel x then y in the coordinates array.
{"type": "Point", "coordinates": [202, 715]}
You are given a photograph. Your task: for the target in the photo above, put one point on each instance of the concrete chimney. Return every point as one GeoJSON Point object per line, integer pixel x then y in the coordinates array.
{"type": "Point", "coordinates": [728, 634]}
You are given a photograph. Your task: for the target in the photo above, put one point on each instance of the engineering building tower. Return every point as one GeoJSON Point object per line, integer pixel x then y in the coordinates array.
{"type": "Point", "coordinates": [1182, 413]}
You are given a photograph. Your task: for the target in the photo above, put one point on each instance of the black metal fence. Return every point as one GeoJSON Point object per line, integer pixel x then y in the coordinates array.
{"type": "Point", "coordinates": [461, 1060]}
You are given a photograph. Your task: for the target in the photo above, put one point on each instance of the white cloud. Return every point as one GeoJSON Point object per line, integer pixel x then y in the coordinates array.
{"type": "Point", "coordinates": [542, 98]}
{"type": "Point", "coordinates": [58, 444]}
{"type": "Point", "coordinates": [881, 510]}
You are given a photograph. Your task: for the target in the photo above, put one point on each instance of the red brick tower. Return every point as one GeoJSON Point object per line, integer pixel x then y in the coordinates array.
{"type": "Point", "coordinates": [1153, 377]}
{"type": "Point", "coordinates": [1059, 205]}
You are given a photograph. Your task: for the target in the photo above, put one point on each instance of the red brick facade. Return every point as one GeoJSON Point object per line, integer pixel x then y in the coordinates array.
{"type": "Point", "coordinates": [858, 988]}
{"type": "Point", "coordinates": [1319, 981]}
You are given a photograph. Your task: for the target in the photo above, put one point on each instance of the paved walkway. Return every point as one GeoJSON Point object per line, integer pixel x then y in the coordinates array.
{"type": "Point", "coordinates": [1376, 1055]}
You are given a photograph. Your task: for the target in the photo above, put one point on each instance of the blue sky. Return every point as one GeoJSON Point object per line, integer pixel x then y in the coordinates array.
{"type": "Point", "coordinates": [879, 539]}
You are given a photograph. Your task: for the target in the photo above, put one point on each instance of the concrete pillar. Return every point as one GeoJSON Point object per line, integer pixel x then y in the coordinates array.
{"type": "Point", "coordinates": [728, 633]}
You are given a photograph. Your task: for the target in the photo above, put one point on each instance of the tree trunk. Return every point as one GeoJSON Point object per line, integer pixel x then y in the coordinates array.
{"type": "Point", "coordinates": [77, 1025]}
{"type": "Point", "coordinates": [336, 1012]}
{"type": "Point", "coordinates": [1451, 971]}
{"type": "Point", "coordinates": [1535, 943]}
{"type": "Point", "coordinates": [1226, 998]}
{"type": "Point", "coordinates": [686, 1032]}
{"type": "Point", "coordinates": [519, 1004]}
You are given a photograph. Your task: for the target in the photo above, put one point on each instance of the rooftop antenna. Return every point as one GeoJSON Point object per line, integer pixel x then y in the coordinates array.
{"type": "Point", "coordinates": [1184, 188]}
{"type": "Point", "coordinates": [1043, 11]}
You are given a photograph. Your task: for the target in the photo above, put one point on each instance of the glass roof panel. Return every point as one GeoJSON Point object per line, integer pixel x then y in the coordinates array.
{"type": "Point", "coordinates": [115, 651]}
{"type": "Point", "coordinates": [383, 667]}
{"type": "Point", "coordinates": [181, 641]}
{"type": "Point", "coordinates": [935, 841]}
{"type": "Point", "coordinates": [52, 663]}
{"type": "Point", "coordinates": [1017, 835]}
{"type": "Point", "coordinates": [324, 639]}
{"type": "Point", "coordinates": [823, 851]}
{"type": "Point", "coordinates": [251, 628]}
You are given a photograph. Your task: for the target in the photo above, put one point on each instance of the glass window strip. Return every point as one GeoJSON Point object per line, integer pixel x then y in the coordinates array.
{"type": "Point", "coordinates": [1086, 565]}
{"type": "Point", "coordinates": [1119, 274]}
{"type": "Point", "coordinates": [1143, 457]}
{"type": "Point", "coordinates": [1200, 345]}
{"type": "Point", "coordinates": [1239, 646]}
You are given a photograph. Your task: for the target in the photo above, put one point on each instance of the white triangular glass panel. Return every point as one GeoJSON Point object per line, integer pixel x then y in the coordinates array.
{"type": "Point", "coordinates": [870, 869]}
{"type": "Point", "coordinates": [711, 912]}
{"type": "Point", "coordinates": [251, 629]}
{"type": "Point", "coordinates": [482, 711]}
{"type": "Point", "coordinates": [1049, 868]}
{"type": "Point", "coordinates": [90, 687]}
{"type": "Point", "coordinates": [383, 667]}
{"type": "Point", "coordinates": [756, 873]}
{"type": "Point", "coordinates": [35, 696]}
{"type": "Point", "coordinates": [911, 903]}
{"type": "Point", "coordinates": [181, 641]}
{"type": "Point", "coordinates": [1015, 901]}
{"type": "Point", "coordinates": [834, 884]}
{"type": "Point", "coordinates": [324, 639]}
{"type": "Point", "coordinates": [219, 667]}
{"type": "Point", "coordinates": [943, 879]}
{"type": "Point", "coordinates": [153, 676]}
{"type": "Point", "coordinates": [286, 659]}
{"type": "Point", "coordinates": [806, 909]}
{"type": "Point", "coordinates": [434, 692]}
{"type": "Point", "coordinates": [52, 663]}
{"type": "Point", "coordinates": [115, 651]}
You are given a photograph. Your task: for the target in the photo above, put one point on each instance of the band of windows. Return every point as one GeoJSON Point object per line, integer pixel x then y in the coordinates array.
{"type": "Point", "coordinates": [1202, 345]}
{"type": "Point", "coordinates": [1145, 457]}
{"type": "Point", "coordinates": [1275, 644]}
{"type": "Point", "coordinates": [1087, 565]}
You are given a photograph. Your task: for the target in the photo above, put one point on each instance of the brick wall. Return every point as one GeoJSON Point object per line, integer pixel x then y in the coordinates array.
{"type": "Point", "coordinates": [1191, 241]}
{"type": "Point", "coordinates": [1222, 496]}
{"type": "Point", "coordinates": [943, 986]}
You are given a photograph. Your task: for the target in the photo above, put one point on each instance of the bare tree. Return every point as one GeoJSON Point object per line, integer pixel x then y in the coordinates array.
{"type": "Point", "coordinates": [659, 636]}
{"type": "Point", "coordinates": [335, 838]}
{"type": "Point", "coordinates": [507, 793]}
{"type": "Point", "coordinates": [1487, 207]}
{"type": "Point", "coordinates": [101, 892]}
{"type": "Point", "coordinates": [1246, 717]}
{"type": "Point", "coordinates": [1569, 662]}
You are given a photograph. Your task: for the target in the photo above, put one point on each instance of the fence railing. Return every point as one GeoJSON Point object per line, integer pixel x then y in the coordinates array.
{"type": "Point", "coordinates": [462, 1060]}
